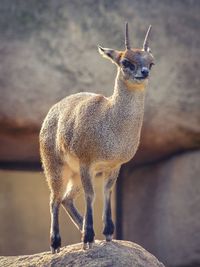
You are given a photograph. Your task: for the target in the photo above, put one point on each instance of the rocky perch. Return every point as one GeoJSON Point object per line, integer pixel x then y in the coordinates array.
{"type": "Point", "coordinates": [116, 253]}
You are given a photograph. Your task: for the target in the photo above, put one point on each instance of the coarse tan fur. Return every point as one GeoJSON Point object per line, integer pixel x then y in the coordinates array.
{"type": "Point", "coordinates": [87, 134]}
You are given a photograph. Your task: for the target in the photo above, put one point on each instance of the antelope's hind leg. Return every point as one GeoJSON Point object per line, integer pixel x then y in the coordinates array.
{"type": "Point", "coordinates": [74, 188]}
{"type": "Point", "coordinates": [57, 187]}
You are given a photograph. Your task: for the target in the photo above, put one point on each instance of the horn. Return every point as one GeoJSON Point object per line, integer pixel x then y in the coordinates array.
{"type": "Point", "coordinates": [127, 42]}
{"type": "Point", "coordinates": [146, 39]}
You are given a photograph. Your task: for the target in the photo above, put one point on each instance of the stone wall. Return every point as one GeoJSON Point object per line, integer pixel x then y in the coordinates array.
{"type": "Point", "coordinates": [49, 50]}
{"type": "Point", "coordinates": [161, 207]}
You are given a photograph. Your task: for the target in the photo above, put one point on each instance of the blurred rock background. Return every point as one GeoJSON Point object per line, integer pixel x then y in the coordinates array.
{"type": "Point", "coordinates": [48, 49]}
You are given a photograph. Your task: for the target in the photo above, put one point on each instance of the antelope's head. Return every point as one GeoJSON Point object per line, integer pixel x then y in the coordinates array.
{"type": "Point", "coordinates": [134, 64]}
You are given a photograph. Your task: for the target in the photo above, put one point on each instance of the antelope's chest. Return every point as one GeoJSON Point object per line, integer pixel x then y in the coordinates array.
{"type": "Point", "coordinates": [122, 142]}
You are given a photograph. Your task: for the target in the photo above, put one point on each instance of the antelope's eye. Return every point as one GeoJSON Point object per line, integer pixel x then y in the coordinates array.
{"type": "Point", "coordinates": [127, 64]}
{"type": "Point", "coordinates": [151, 65]}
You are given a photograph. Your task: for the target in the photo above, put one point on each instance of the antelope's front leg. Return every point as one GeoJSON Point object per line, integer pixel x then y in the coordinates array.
{"type": "Point", "coordinates": [107, 214]}
{"type": "Point", "coordinates": [88, 231]}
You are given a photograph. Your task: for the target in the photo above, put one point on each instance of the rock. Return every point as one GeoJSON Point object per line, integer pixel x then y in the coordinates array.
{"type": "Point", "coordinates": [115, 253]}
{"type": "Point", "coordinates": [48, 50]}
{"type": "Point", "coordinates": [161, 208]}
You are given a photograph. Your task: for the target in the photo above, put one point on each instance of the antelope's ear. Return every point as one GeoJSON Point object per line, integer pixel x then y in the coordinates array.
{"type": "Point", "coordinates": [111, 54]}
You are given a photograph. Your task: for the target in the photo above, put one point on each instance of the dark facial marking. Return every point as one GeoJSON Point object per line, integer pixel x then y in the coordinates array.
{"type": "Point", "coordinates": [128, 64]}
{"type": "Point", "coordinates": [151, 65]}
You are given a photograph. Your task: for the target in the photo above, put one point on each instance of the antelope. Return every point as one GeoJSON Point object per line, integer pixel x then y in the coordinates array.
{"type": "Point", "coordinates": [86, 135]}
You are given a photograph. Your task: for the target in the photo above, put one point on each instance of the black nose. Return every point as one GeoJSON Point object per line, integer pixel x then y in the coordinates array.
{"type": "Point", "coordinates": [145, 72]}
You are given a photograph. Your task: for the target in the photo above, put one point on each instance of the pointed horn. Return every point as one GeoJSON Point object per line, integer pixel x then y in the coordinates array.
{"type": "Point", "coordinates": [146, 39]}
{"type": "Point", "coordinates": [127, 42]}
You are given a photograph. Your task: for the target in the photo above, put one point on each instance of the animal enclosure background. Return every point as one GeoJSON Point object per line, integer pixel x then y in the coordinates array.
{"type": "Point", "coordinates": [48, 49]}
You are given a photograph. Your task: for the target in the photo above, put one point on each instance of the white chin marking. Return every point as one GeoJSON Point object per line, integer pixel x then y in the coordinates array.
{"type": "Point", "coordinates": [139, 81]}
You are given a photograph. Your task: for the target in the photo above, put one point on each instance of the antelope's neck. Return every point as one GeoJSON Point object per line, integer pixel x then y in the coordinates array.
{"type": "Point", "coordinates": [128, 97]}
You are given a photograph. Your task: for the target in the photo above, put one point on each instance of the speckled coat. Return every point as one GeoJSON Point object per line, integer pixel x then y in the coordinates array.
{"type": "Point", "coordinates": [87, 134]}
{"type": "Point", "coordinates": [103, 132]}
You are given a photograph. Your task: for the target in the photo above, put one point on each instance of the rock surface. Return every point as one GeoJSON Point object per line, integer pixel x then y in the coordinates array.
{"type": "Point", "coordinates": [103, 254]}
{"type": "Point", "coordinates": [49, 50]}
{"type": "Point", "coordinates": [164, 212]}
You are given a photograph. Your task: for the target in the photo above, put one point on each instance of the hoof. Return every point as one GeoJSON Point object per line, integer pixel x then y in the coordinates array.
{"type": "Point", "coordinates": [109, 230]}
{"type": "Point", "coordinates": [88, 245]}
{"type": "Point", "coordinates": [53, 250]}
{"type": "Point", "coordinates": [88, 236]}
{"type": "Point", "coordinates": [109, 238]}
{"type": "Point", "coordinates": [55, 243]}
{"type": "Point", "coordinates": [85, 246]}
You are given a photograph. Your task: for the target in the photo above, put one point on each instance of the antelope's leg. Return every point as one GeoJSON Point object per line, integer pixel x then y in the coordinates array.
{"type": "Point", "coordinates": [107, 214]}
{"type": "Point", "coordinates": [74, 187]}
{"type": "Point", "coordinates": [87, 231]}
{"type": "Point", "coordinates": [57, 187]}
{"type": "Point", "coordinates": [55, 239]}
